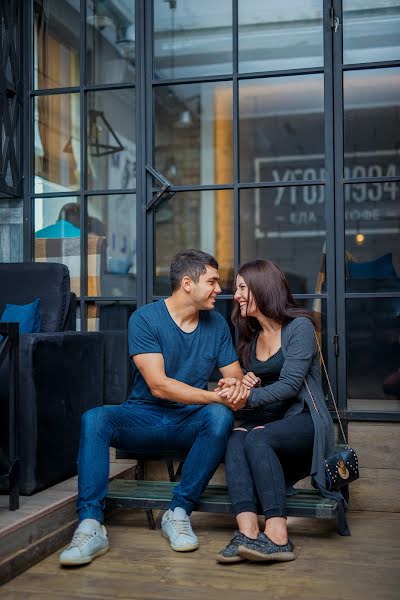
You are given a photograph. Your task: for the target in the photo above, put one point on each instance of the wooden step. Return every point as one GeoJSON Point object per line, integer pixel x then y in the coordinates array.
{"type": "Point", "coordinates": [215, 499]}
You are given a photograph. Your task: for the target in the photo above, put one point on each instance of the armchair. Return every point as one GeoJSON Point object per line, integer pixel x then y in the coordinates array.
{"type": "Point", "coordinates": [60, 375]}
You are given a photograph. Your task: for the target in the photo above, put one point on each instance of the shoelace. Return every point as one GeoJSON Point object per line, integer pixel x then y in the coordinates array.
{"type": "Point", "coordinates": [80, 539]}
{"type": "Point", "coordinates": [182, 526]}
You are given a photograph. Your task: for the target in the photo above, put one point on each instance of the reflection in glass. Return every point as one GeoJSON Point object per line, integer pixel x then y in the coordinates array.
{"type": "Point", "coordinates": [373, 348]}
{"type": "Point", "coordinates": [277, 116]}
{"type": "Point", "coordinates": [111, 55]}
{"type": "Point", "coordinates": [280, 35]}
{"type": "Point", "coordinates": [111, 150]}
{"type": "Point", "coordinates": [56, 43]}
{"type": "Point", "coordinates": [371, 122]}
{"type": "Point", "coordinates": [371, 33]}
{"type": "Point", "coordinates": [111, 245]}
{"type": "Point", "coordinates": [372, 228]}
{"type": "Point", "coordinates": [192, 38]}
{"type": "Point", "coordinates": [57, 235]}
{"type": "Point", "coordinates": [202, 220]}
{"type": "Point", "coordinates": [193, 133]}
{"type": "Point", "coordinates": [111, 318]}
{"type": "Point", "coordinates": [57, 143]}
{"type": "Point", "coordinates": [286, 225]}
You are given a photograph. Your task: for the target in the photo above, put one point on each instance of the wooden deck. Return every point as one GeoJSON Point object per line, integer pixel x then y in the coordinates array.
{"type": "Point", "coordinates": [141, 566]}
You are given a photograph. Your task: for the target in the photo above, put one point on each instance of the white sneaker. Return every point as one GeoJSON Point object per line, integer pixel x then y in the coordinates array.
{"type": "Point", "coordinates": [177, 529]}
{"type": "Point", "coordinates": [89, 540]}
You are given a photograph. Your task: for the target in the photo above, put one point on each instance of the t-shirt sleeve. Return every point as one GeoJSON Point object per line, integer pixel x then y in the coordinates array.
{"type": "Point", "coordinates": [227, 354]}
{"type": "Point", "coordinates": [141, 336]}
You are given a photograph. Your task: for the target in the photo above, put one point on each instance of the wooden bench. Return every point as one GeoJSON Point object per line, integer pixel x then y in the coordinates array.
{"type": "Point", "coordinates": [157, 494]}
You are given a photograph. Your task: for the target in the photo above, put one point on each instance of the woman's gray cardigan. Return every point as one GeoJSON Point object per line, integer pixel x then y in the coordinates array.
{"type": "Point", "coordinates": [302, 361]}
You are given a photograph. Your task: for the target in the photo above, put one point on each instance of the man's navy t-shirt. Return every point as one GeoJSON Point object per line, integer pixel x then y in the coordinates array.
{"type": "Point", "coordinates": [188, 357]}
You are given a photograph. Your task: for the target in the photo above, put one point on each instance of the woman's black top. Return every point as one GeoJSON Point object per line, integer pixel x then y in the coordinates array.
{"type": "Point", "coordinates": [267, 370]}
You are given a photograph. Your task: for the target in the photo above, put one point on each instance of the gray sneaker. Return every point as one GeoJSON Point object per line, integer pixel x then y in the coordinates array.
{"type": "Point", "coordinates": [230, 553]}
{"type": "Point", "coordinates": [264, 550]}
{"type": "Point", "coordinates": [89, 540]}
{"type": "Point", "coordinates": [176, 528]}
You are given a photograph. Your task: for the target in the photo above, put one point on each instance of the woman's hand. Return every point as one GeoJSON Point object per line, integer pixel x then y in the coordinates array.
{"type": "Point", "coordinates": [225, 382]}
{"type": "Point", "coordinates": [250, 380]}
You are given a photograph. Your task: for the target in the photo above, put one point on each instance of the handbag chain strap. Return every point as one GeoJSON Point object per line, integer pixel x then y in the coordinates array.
{"type": "Point", "coordinates": [330, 389]}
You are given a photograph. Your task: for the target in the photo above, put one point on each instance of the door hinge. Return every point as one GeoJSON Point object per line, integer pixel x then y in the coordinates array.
{"type": "Point", "coordinates": [335, 22]}
{"type": "Point", "coordinates": [336, 344]}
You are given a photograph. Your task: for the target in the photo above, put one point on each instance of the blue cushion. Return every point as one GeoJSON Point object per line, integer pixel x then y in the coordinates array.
{"type": "Point", "coordinates": [27, 315]}
{"type": "Point", "coordinates": [381, 268]}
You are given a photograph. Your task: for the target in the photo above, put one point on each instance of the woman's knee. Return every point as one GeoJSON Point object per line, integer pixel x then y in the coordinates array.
{"type": "Point", "coordinates": [256, 438]}
{"type": "Point", "coordinates": [236, 441]}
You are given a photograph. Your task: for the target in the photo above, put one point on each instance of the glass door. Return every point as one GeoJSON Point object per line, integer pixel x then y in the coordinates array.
{"type": "Point", "coordinates": [240, 128]}
{"type": "Point", "coordinates": [367, 184]}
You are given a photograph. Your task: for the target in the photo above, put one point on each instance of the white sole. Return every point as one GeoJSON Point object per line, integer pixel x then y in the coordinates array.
{"type": "Point", "coordinates": [83, 561]}
{"type": "Point", "coordinates": [187, 548]}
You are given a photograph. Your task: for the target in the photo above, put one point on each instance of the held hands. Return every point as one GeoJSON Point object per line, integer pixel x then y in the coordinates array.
{"type": "Point", "coordinates": [232, 393]}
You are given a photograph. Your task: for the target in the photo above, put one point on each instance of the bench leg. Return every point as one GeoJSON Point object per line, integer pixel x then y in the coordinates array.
{"type": "Point", "coordinates": [159, 519]}
{"type": "Point", "coordinates": [139, 475]}
{"type": "Point", "coordinates": [150, 519]}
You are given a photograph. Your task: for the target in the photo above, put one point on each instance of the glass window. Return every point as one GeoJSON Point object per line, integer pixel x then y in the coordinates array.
{"type": "Point", "coordinates": [111, 139]}
{"type": "Point", "coordinates": [280, 35]}
{"type": "Point", "coordinates": [111, 318]}
{"type": "Point", "coordinates": [373, 353]}
{"type": "Point", "coordinates": [56, 43]}
{"type": "Point", "coordinates": [192, 38]}
{"type": "Point", "coordinates": [57, 143]}
{"type": "Point", "coordinates": [371, 30]}
{"type": "Point", "coordinates": [371, 122]}
{"type": "Point", "coordinates": [193, 133]}
{"type": "Point", "coordinates": [58, 235]}
{"type": "Point", "coordinates": [372, 228]}
{"type": "Point", "coordinates": [110, 31]}
{"type": "Point", "coordinates": [286, 225]}
{"type": "Point", "coordinates": [111, 226]}
{"type": "Point", "coordinates": [202, 220]}
{"type": "Point", "coordinates": [277, 116]}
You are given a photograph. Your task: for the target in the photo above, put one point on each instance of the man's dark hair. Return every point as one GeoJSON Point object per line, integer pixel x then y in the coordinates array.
{"type": "Point", "coordinates": [192, 263]}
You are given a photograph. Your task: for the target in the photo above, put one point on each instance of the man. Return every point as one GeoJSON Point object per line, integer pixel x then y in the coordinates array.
{"type": "Point", "coordinates": [175, 345]}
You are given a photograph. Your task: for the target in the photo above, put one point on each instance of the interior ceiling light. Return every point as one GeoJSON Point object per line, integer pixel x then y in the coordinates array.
{"type": "Point", "coordinates": [185, 119]}
{"type": "Point", "coordinates": [100, 21]}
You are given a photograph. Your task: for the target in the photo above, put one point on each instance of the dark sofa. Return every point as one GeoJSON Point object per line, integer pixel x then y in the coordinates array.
{"type": "Point", "coordinates": [61, 375]}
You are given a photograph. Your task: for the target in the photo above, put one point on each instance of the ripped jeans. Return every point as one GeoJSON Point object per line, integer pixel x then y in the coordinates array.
{"type": "Point", "coordinates": [258, 458]}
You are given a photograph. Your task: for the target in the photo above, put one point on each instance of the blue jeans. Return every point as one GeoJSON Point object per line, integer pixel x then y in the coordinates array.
{"type": "Point", "coordinates": [200, 430]}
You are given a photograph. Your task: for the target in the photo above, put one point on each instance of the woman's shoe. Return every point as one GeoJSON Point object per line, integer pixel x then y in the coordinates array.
{"type": "Point", "coordinates": [263, 550]}
{"type": "Point", "coordinates": [230, 553]}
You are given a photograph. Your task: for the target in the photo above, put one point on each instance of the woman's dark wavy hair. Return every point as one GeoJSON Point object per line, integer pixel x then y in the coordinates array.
{"type": "Point", "coordinates": [273, 297]}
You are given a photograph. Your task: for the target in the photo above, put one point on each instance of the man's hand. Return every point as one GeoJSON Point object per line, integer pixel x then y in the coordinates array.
{"type": "Point", "coordinates": [236, 393]}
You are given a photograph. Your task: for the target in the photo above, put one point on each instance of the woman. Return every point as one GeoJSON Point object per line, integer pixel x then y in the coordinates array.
{"type": "Point", "coordinates": [285, 438]}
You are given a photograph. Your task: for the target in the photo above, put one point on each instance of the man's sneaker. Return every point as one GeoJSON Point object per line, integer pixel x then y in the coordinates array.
{"type": "Point", "coordinates": [263, 549]}
{"type": "Point", "coordinates": [90, 540]}
{"type": "Point", "coordinates": [176, 528]}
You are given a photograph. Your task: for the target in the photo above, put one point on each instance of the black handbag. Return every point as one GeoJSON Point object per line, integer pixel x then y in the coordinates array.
{"type": "Point", "coordinates": [341, 467]}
